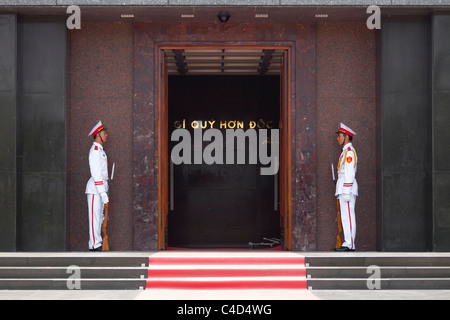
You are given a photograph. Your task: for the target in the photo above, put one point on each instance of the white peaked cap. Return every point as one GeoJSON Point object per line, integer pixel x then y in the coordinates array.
{"type": "Point", "coordinates": [344, 129]}
{"type": "Point", "coordinates": [96, 129]}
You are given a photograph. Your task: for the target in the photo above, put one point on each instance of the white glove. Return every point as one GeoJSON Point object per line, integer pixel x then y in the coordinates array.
{"type": "Point", "coordinates": [105, 198]}
{"type": "Point", "coordinates": [345, 197]}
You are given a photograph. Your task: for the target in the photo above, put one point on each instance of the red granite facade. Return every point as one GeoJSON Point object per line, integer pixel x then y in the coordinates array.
{"type": "Point", "coordinates": [101, 88]}
{"type": "Point", "coordinates": [346, 92]}
{"type": "Point", "coordinates": [113, 77]}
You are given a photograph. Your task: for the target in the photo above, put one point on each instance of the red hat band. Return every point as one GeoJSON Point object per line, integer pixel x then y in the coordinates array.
{"type": "Point", "coordinates": [97, 130]}
{"type": "Point", "coordinates": [346, 132]}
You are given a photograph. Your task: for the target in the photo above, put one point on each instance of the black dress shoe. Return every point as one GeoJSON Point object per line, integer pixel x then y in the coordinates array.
{"type": "Point", "coordinates": [97, 249]}
{"type": "Point", "coordinates": [341, 249]}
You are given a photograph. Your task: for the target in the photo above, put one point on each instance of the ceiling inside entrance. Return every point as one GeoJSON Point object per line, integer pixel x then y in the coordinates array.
{"type": "Point", "coordinates": [229, 61]}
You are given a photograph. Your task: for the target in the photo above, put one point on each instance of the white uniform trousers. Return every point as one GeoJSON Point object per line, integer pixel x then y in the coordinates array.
{"type": "Point", "coordinates": [348, 221]}
{"type": "Point", "coordinates": [95, 206]}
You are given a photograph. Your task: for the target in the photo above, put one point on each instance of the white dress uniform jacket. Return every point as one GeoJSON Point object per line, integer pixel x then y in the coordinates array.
{"type": "Point", "coordinates": [97, 184]}
{"type": "Point", "coordinates": [346, 168]}
{"type": "Point", "coordinates": [98, 164]}
{"type": "Point", "coordinates": [347, 191]}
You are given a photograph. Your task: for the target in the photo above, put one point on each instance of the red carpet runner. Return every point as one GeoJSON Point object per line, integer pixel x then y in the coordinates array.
{"type": "Point", "coordinates": [226, 270]}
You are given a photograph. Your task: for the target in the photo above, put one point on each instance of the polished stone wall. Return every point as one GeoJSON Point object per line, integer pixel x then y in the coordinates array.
{"type": "Point", "coordinates": [441, 131]}
{"type": "Point", "coordinates": [346, 92]}
{"type": "Point", "coordinates": [222, 3]}
{"type": "Point", "coordinates": [8, 109]}
{"type": "Point", "coordinates": [56, 84]}
{"type": "Point", "coordinates": [111, 78]}
{"type": "Point", "coordinates": [32, 131]}
{"type": "Point", "coordinates": [101, 88]}
{"type": "Point", "coordinates": [336, 69]}
{"type": "Point", "coordinates": [41, 134]}
{"type": "Point", "coordinates": [406, 134]}
{"type": "Point", "coordinates": [112, 68]}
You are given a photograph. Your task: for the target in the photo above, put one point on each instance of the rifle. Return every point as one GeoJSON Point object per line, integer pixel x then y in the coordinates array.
{"type": "Point", "coordinates": [338, 217]}
{"type": "Point", "coordinates": [105, 242]}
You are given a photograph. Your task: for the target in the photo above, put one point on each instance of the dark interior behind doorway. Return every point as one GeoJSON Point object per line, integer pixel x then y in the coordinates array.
{"type": "Point", "coordinates": [222, 205]}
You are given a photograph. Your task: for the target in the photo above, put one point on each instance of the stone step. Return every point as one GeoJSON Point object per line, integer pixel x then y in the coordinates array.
{"type": "Point", "coordinates": [65, 259]}
{"type": "Point", "coordinates": [231, 259]}
{"type": "Point", "coordinates": [363, 271]}
{"type": "Point", "coordinates": [65, 272]}
{"type": "Point", "coordinates": [385, 272]}
{"type": "Point", "coordinates": [401, 259]}
{"type": "Point", "coordinates": [69, 284]}
{"type": "Point", "coordinates": [221, 270]}
{"type": "Point", "coordinates": [383, 284]}
{"type": "Point", "coordinates": [226, 270]}
{"type": "Point", "coordinates": [226, 282]}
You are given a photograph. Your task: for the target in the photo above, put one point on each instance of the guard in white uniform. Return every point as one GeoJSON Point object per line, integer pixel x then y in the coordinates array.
{"type": "Point", "coordinates": [346, 186]}
{"type": "Point", "coordinates": [97, 186]}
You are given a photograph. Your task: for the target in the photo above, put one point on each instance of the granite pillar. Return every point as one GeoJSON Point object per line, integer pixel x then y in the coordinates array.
{"type": "Point", "coordinates": [145, 155]}
{"type": "Point", "coordinates": [8, 103]}
{"type": "Point", "coordinates": [101, 88]}
{"type": "Point", "coordinates": [441, 131]}
{"type": "Point", "coordinates": [406, 134]}
{"type": "Point", "coordinates": [346, 80]}
{"type": "Point", "coordinates": [41, 139]}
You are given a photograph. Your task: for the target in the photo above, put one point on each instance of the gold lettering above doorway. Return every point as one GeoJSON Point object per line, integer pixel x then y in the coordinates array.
{"type": "Point", "coordinates": [225, 124]}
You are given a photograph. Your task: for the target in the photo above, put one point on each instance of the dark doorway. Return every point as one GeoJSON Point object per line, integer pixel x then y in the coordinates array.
{"type": "Point", "coordinates": [222, 205]}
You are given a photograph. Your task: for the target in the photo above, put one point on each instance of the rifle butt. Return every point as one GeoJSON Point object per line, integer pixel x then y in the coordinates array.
{"type": "Point", "coordinates": [105, 241]}
{"type": "Point", "coordinates": [339, 224]}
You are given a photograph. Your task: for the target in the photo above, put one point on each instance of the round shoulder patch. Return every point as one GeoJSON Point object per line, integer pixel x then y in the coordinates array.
{"type": "Point", "coordinates": [349, 159]}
